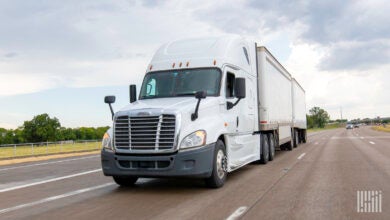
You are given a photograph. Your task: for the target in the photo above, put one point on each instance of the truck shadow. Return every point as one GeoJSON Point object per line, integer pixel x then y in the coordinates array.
{"type": "Point", "coordinates": [193, 184]}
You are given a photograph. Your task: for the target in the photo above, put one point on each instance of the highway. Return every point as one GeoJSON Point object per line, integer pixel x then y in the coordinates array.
{"type": "Point", "coordinates": [317, 180]}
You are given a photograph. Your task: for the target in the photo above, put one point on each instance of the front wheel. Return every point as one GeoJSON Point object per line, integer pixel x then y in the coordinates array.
{"type": "Point", "coordinates": [218, 176]}
{"type": "Point", "coordinates": [271, 146]}
{"type": "Point", "coordinates": [125, 181]}
{"type": "Point", "coordinates": [264, 157]}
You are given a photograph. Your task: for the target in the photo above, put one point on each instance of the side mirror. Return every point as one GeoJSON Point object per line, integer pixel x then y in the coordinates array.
{"type": "Point", "coordinates": [133, 93]}
{"type": "Point", "coordinates": [239, 88]}
{"type": "Point", "coordinates": [109, 99]}
{"type": "Point", "coordinates": [198, 95]}
{"type": "Point", "coordinates": [201, 94]}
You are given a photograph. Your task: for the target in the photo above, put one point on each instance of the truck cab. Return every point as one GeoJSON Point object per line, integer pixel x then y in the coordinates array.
{"type": "Point", "coordinates": [196, 114]}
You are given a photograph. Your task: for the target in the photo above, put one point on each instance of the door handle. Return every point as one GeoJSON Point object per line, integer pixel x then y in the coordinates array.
{"type": "Point", "coordinates": [237, 122]}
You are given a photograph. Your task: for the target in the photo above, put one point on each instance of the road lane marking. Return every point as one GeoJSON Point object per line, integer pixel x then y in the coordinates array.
{"type": "Point", "coordinates": [315, 143]}
{"type": "Point", "coordinates": [46, 163]}
{"type": "Point", "coordinates": [371, 142]}
{"type": "Point", "coordinates": [301, 156]}
{"type": "Point", "coordinates": [49, 180]}
{"type": "Point", "coordinates": [361, 137]}
{"type": "Point", "coordinates": [49, 199]}
{"type": "Point", "coordinates": [241, 210]}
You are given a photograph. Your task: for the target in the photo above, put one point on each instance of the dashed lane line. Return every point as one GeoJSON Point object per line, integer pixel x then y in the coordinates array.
{"type": "Point", "coordinates": [236, 214]}
{"type": "Point", "coordinates": [301, 156]}
{"type": "Point", "coordinates": [49, 180]}
{"type": "Point", "coordinates": [53, 198]}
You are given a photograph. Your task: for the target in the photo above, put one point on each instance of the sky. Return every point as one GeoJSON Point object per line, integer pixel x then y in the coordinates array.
{"type": "Point", "coordinates": [63, 57]}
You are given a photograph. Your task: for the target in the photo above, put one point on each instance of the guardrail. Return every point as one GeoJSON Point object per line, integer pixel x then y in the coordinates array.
{"type": "Point", "coordinates": [46, 148]}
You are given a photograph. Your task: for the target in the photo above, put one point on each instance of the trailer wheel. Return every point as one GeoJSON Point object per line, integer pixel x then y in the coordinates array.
{"type": "Point", "coordinates": [271, 140]}
{"type": "Point", "coordinates": [125, 181]}
{"type": "Point", "coordinates": [304, 136]}
{"type": "Point", "coordinates": [296, 138]}
{"type": "Point", "coordinates": [218, 176]}
{"type": "Point", "coordinates": [264, 157]}
{"type": "Point", "coordinates": [290, 145]}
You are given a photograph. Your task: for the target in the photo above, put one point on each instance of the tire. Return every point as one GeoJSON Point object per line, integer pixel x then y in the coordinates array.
{"type": "Point", "coordinates": [271, 140]}
{"type": "Point", "coordinates": [264, 157]}
{"type": "Point", "coordinates": [218, 176]}
{"type": "Point", "coordinates": [125, 181]}
{"type": "Point", "coordinates": [304, 136]}
{"type": "Point", "coordinates": [289, 146]}
{"type": "Point", "coordinates": [296, 138]}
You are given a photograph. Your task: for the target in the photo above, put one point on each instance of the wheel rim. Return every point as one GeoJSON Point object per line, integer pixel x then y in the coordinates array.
{"type": "Point", "coordinates": [221, 164]}
{"type": "Point", "coordinates": [272, 146]}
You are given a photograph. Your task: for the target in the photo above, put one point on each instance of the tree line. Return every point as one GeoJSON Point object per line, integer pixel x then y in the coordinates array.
{"type": "Point", "coordinates": [43, 128]}
{"type": "Point", "coordinates": [317, 118]}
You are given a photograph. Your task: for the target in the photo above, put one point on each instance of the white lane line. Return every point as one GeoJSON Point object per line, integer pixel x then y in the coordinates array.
{"type": "Point", "coordinates": [46, 163]}
{"type": "Point", "coordinates": [315, 143]}
{"type": "Point", "coordinates": [301, 156]}
{"type": "Point", "coordinates": [241, 210]}
{"type": "Point", "coordinates": [49, 199]}
{"type": "Point", "coordinates": [361, 137]}
{"type": "Point", "coordinates": [371, 142]}
{"type": "Point", "coordinates": [49, 180]}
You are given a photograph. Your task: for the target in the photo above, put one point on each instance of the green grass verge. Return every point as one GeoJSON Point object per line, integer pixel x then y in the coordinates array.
{"type": "Point", "coordinates": [381, 128]}
{"type": "Point", "coordinates": [327, 127]}
{"type": "Point", "coordinates": [27, 150]}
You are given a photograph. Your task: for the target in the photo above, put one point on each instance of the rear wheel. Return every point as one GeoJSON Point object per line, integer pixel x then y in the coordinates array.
{"type": "Point", "coordinates": [304, 136]}
{"type": "Point", "coordinates": [271, 140]}
{"type": "Point", "coordinates": [264, 157]}
{"type": "Point", "coordinates": [125, 181]}
{"type": "Point", "coordinates": [218, 176]}
{"type": "Point", "coordinates": [296, 138]}
{"type": "Point", "coordinates": [290, 145]}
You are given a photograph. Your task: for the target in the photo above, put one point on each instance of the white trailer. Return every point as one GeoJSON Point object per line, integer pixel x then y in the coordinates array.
{"type": "Point", "coordinates": [206, 108]}
{"type": "Point", "coordinates": [274, 92]}
{"type": "Point", "coordinates": [298, 112]}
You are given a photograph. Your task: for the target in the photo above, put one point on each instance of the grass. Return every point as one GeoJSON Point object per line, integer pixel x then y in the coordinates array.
{"type": "Point", "coordinates": [381, 128]}
{"type": "Point", "coordinates": [28, 150]}
{"type": "Point", "coordinates": [327, 127]}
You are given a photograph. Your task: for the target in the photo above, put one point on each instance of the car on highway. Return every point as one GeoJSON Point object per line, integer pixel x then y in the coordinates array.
{"type": "Point", "coordinates": [356, 125]}
{"type": "Point", "coordinates": [349, 126]}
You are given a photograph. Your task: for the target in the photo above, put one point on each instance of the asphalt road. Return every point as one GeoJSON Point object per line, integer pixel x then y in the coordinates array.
{"type": "Point", "coordinates": [317, 180]}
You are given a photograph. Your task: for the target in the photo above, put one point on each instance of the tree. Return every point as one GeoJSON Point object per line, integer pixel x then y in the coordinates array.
{"type": "Point", "coordinates": [318, 117]}
{"type": "Point", "coordinates": [41, 128]}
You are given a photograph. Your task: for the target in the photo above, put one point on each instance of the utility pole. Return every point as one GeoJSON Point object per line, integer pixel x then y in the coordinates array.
{"type": "Point", "coordinates": [341, 113]}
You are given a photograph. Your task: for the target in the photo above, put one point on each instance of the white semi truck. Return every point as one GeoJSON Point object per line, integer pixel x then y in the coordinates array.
{"type": "Point", "coordinates": [206, 108]}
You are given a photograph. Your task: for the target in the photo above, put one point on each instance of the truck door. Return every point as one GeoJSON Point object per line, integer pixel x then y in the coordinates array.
{"type": "Point", "coordinates": [240, 119]}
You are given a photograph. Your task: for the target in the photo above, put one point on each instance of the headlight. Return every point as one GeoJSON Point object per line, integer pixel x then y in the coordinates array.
{"type": "Point", "coordinates": [107, 143]}
{"type": "Point", "coordinates": [196, 139]}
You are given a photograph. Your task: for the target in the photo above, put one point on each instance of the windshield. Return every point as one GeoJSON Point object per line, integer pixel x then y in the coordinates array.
{"type": "Point", "coordinates": [175, 83]}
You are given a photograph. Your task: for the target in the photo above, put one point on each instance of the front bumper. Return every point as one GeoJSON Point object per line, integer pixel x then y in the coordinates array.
{"type": "Point", "coordinates": [191, 163]}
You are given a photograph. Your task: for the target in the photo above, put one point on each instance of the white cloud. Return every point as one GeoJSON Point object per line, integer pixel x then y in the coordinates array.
{"type": "Point", "coordinates": [339, 51]}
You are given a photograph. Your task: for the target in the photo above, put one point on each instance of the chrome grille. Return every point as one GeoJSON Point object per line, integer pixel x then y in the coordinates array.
{"type": "Point", "coordinates": [145, 132]}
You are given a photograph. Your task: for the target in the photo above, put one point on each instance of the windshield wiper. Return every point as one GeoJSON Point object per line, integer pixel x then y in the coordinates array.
{"type": "Point", "coordinates": [185, 94]}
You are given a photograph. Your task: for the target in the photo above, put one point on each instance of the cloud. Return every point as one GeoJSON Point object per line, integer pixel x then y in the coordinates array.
{"type": "Point", "coordinates": [338, 50]}
{"type": "Point", "coordinates": [337, 25]}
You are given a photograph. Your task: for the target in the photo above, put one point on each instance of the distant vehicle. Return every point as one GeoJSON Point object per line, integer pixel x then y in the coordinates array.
{"type": "Point", "coordinates": [349, 126]}
{"type": "Point", "coordinates": [356, 126]}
